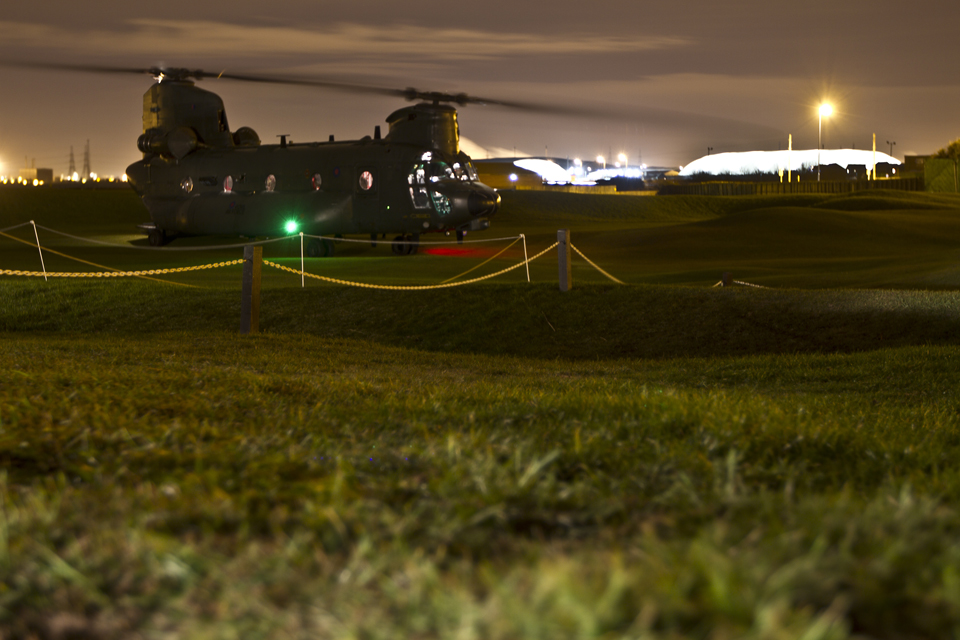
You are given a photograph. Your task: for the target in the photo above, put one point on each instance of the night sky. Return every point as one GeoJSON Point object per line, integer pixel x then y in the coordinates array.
{"type": "Point", "coordinates": [662, 81]}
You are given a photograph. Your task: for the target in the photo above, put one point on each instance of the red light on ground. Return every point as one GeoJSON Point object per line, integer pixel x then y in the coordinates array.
{"type": "Point", "coordinates": [455, 251]}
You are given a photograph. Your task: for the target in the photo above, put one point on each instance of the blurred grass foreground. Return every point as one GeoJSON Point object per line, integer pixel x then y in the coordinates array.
{"type": "Point", "coordinates": [663, 459]}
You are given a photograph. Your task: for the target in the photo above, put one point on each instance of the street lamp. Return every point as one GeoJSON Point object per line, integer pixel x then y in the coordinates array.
{"type": "Point", "coordinates": [891, 147]}
{"type": "Point", "coordinates": [825, 110]}
{"type": "Point", "coordinates": [602, 160]}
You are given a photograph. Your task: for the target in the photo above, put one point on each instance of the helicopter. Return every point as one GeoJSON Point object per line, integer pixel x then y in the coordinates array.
{"type": "Point", "coordinates": [198, 177]}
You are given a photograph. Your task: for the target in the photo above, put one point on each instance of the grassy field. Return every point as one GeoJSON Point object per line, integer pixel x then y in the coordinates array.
{"type": "Point", "coordinates": [658, 460]}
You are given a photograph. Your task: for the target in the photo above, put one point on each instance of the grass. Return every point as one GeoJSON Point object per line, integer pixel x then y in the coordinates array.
{"type": "Point", "coordinates": [497, 461]}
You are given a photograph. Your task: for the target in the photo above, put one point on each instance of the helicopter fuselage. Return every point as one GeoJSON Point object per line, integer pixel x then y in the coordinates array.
{"type": "Point", "coordinates": [199, 178]}
{"type": "Point", "coordinates": [359, 187]}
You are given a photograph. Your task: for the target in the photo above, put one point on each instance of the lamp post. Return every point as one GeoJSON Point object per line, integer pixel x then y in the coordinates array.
{"type": "Point", "coordinates": [891, 147]}
{"type": "Point", "coordinates": [602, 160]}
{"type": "Point", "coordinates": [825, 110]}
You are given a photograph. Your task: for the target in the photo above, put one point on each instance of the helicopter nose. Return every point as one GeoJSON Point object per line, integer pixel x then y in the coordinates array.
{"type": "Point", "coordinates": [481, 203]}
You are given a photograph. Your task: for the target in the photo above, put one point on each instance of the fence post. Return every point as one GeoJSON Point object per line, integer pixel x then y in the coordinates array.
{"type": "Point", "coordinates": [250, 294]}
{"type": "Point", "coordinates": [565, 259]}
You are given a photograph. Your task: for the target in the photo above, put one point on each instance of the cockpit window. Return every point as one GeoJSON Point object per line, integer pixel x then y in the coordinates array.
{"type": "Point", "coordinates": [431, 168]}
{"type": "Point", "coordinates": [471, 171]}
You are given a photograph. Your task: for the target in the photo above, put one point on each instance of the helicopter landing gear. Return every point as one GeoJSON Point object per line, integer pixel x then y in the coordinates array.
{"type": "Point", "coordinates": [157, 237]}
{"type": "Point", "coordinates": [319, 249]}
{"type": "Point", "coordinates": [405, 245]}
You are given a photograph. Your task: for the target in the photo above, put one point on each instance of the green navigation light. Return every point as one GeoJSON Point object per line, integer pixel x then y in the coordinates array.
{"type": "Point", "coordinates": [291, 226]}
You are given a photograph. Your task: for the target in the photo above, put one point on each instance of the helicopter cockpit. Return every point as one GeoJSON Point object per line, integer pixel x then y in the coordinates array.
{"type": "Point", "coordinates": [434, 168]}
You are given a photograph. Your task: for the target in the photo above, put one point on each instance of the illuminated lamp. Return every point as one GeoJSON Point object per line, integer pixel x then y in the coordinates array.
{"type": "Point", "coordinates": [290, 226]}
{"type": "Point", "coordinates": [513, 177]}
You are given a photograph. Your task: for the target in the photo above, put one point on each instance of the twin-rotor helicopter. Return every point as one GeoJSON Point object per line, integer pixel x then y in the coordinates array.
{"type": "Point", "coordinates": [199, 177]}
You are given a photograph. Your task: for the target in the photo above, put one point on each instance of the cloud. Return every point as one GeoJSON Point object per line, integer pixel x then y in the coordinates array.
{"type": "Point", "coordinates": [197, 38]}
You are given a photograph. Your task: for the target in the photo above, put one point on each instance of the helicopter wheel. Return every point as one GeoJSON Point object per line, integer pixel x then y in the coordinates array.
{"type": "Point", "coordinates": [405, 245]}
{"type": "Point", "coordinates": [319, 249]}
{"type": "Point", "coordinates": [157, 237]}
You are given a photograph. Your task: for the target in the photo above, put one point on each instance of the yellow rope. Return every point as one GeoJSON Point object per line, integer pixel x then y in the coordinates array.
{"type": "Point", "coordinates": [110, 273]}
{"type": "Point", "coordinates": [497, 255]}
{"type": "Point", "coordinates": [120, 274]}
{"type": "Point", "coordinates": [595, 266]}
{"type": "Point", "coordinates": [409, 287]}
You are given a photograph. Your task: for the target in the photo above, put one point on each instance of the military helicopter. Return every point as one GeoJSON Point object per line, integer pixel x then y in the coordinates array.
{"type": "Point", "coordinates": [198, 177]}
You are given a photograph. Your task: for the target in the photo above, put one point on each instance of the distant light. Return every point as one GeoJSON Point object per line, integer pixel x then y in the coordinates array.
{"type": "Point", "coordinates": [768, 162]}
{"type": "Point", "coordinates": [513, 177]}
{"type": "Point", "coordinates": [36, 182]}
{"type": "Point", "coordinates": [826, 109]}
{"type": "Point", "coordinates": [291, 226]}
{"type": "Point", "coordinates": [123, 178]}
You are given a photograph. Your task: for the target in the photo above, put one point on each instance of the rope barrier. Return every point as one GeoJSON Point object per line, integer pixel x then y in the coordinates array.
{"type": "Point", "coordinates": [132, 246]}
{"type": "Point", "coordinates": [748, 284]}
{"type": "Point", "coordinates": [119, 274]}
{"type": "Point", "coordinates": [110, 271]}
{"type": "Point", "coordinates": [740, 282]}
{"type": "Point", "coordinates": [411, 287]}
{"type": "Point", "coordinates": [116, 273]}
{"type": "Point", "coordinates": [496, 255]}
{"type": "Point", "coordinates": [245, 244]}
{"type": "Point", "coordinates": [592, 264]}
{"type": "Point", "coordinates": [418, 242]}
{"type": "Point", "coordinates": [17, 226]}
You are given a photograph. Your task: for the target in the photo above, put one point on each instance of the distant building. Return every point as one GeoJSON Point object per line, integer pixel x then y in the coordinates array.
{"type": "Point", "coordinates": [42, 175]}
{"type": "Point", "coordinates": [752, 163]}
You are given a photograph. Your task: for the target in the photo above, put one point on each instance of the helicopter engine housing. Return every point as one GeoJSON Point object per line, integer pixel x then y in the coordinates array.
{"type": "Point", "coordinates": [432, 126]}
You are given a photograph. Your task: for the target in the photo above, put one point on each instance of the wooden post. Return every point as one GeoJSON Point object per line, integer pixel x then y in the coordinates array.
{"type": "Point", "coordinates": [726, 279]}
{"type": "Point", "coordinates": [566, 255]}
{"type": "Point", "coordinates": [250, 295]}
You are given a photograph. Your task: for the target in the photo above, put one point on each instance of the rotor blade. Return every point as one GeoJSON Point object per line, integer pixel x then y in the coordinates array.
{"type": "Point", "coordinates": [87, 68]}
{"type": "Point", "coordinates": [304, 82]}
{"type": "Point", "coordinates": [409, 93]}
